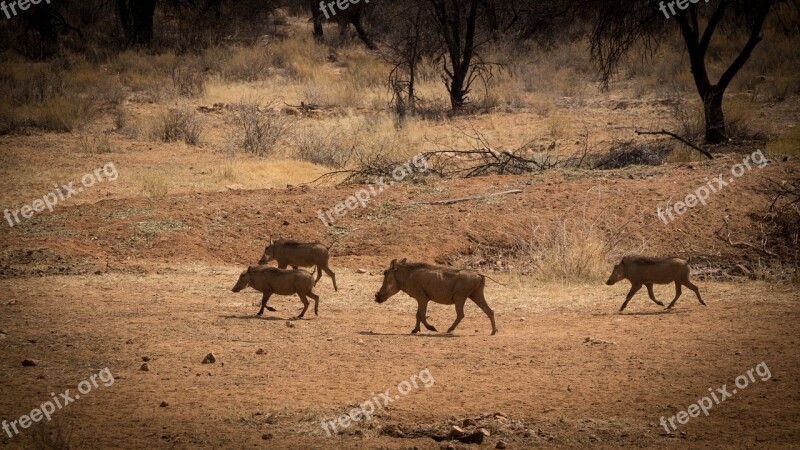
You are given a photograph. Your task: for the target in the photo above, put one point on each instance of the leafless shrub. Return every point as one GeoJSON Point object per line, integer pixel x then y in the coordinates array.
{"type": "Point", "coordinates": [180, 125]}
{"type": "Point", "coordinates": [260, 127]}
{"type": "Point", "coordinates": [189, 80]}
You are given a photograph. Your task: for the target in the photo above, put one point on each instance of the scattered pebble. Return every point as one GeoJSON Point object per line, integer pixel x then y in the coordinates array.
{"type": "Point", "coordinates": [145, 358]}
{"type": "Point", "coordinates": [29, 363]}
{"type": "Point", "coordinates": [501, 445]}
{"type": "Point", "coordinates": [164, 404]}
{"type": "Point", "coordinates": [210, 359]}
{"type": "Point", "coordinates": [266, 436]}
{"type": "Point", "coordinates": [361, 270]}
{"type": "Point", "coordinates": [145, 368]}
{"type": "Point", "coordinates": [289, 324]}
{"type": "Point", "coordinates": [260, 351]}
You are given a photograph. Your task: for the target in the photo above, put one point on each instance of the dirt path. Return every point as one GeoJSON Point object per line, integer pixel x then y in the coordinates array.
{"type": "Point", "coordinates": [551, 386]}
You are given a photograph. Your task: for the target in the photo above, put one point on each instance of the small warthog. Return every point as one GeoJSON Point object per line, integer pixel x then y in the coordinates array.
{"type": "Point", "coordinates": [299, 254]}
{"type": "Point", "coordinates": [271, 280]}
{"type": "Point", "coordinates": [444, 285]}
{"type": "Point", "coordinates": [641, 270]}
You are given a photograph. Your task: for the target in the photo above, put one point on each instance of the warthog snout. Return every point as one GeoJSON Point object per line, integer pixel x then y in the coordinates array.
{"type": "Point", "coordinates": [242, 282]}
{"type": "Point", "coordinates": [378, 298]}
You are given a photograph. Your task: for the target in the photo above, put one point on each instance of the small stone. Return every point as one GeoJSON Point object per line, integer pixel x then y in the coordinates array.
{"type": "Point", "coordinates": [361, 270]}
{"type": "Point", "coordinates": [289, 324]}
{"type": "Point", "coordinates": [456, 431]}
{"type": "Point", "coordinates": [469, 422]}
{"type": "Point", "coordinates": [164, 404]}
{"type": "Point", "coordinates": [361, 342]}
{"type": "Point", "coordinates": [285, 222]}
{"type": "Point", "coordinates": [330, 339]}
{"type": "Point", "coordinates": [501, 445]}
{"type": "Point", "coordinates": [146, 358]}
{"type": "Point", "coordinates": [266, 436]}
{"type": "Point", "coordinates": [210, 359]}
{"type": "Point", "coordinates": [740, 270]}
{"type": "Point", "coordinates": [499, 415]}
{"type": "Point", "coordinates": [10, 303]}
{"type": "Point", "coordinates": [129, 341]}
{"type": "Point", "coordinates": [145, 367]}
{"type": "Point", "coordinates": [29, 363]}
{"type": "Point", "coordinates": [260, 351]}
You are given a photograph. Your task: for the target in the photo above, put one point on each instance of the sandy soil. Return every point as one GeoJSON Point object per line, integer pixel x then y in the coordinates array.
{"type": "Point", "coordinates": [552, 387]}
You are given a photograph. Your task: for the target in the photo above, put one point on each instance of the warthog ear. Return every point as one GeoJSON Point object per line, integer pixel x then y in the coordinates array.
{"type": "Point", "coordinates": [248, 269]}
{"type": "Point", "coordinates": [393, 264]}
{"type": "Point", "coordinates": [403, 261]}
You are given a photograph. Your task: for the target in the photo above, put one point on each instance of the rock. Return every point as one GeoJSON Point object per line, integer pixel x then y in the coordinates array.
{"type": "Point", "coordinates": [234, 187]}
{"type": "Point", "coordinates": [469, 422]}
{"type": "Point", "coordinates": [266, 436]}
{"type": "Point", "coordinates": [210, 359]}
{"type": "Point", "coordinates": [285, 222]}
{"type": "Point", "coordinates": [740, 270]}
{"type": "Point", "coordinates": [361, 270]}
{"type": "Point", "coordinates": [501, 445]}
{"type": "Point", "coordinates": [485, 432]}
{"type": "Point", "coordinates": [289, 324]}
{"type": "Point", "coordinates": [129, 341]}
{"type": "Point", "coordinates": [499, 415]}
{"type": "Point", "coordinates": [146, 358]}
{"type": "Point", "coordinates": [29, 363]}
{"type": "Point", "coordinates": [457, 432]}
{"type": "Point", "coordinates": [145, 367]}
{"type": "Point", "coordinates": [476, 437]}
{"type": "Point", "coordinates": [361, 342]}
{"type": "Point", "coordinates": [164, 404]}
{"type": "Point", "coordinates": [11, 302]}
{"type": "Point", "coordinates": [260, 351]}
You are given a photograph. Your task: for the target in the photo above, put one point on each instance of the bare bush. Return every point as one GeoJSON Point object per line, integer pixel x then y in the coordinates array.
{"type": "Point", "coordinates": [179, 125]}
{"type": "Point", "coordinates": [260, 127]}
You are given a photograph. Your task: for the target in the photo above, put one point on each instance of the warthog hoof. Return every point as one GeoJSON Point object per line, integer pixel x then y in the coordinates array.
{"type": "Point", "coordinates": [415, 331]}
{"type": "Point", "coordinates": [660, 303]}
{"type": "Point", "coordinates": [260, 313]}
{"type": "Point", "coordinates": [493, 332]}
{"type": "Point", "coordinates": [430, 327]}
{"type": "Point", "coordinates": [270, 308]}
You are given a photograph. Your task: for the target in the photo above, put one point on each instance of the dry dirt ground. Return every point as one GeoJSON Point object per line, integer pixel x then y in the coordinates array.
{"type": "Point", "coordinates": [565, 369]}
{"type": "Point", "coordinates": [113, 282]}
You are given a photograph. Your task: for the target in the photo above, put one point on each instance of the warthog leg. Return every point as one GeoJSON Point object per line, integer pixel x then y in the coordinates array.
{"type": "Point", "coordinates": [422, 316]}
{"type": "Point", "coordinates": [480, 300]}
{"type": "Point", "coordinates": [696, 291]}
{"type": "Point", "coordinates": [634, 289]}
{"type": "Point", "coordinates": [652, 295]}
{"type": "Point", "coordinates": [264, 300]}
{"type": "Point", "coordinates": [330, 274]}
{"type": "Point", "coordinates": [459, 313]}
{"type": "Point", "coordinates": [316, 302]}
{"type": "Point", "coordinates": [305, 305]}
{"type": "Point", "coordinates": [677, 294]}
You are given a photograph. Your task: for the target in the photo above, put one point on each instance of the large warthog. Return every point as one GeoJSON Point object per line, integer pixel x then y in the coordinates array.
{"type": "Point", "coordinates": [299, 254]}
{"type": "Point", "coordinates": [444, 285]}
{"type": "Point", "coordinates": [641, 270]}
{"type": "Point", "coordinates": [271, 280]}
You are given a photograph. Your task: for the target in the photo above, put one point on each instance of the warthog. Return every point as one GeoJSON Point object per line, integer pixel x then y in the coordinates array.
{"type": "Point", "coordinates": [444, 285]}
{"type": "Point", "coordinates": [299, 254]}
{"type": "Point", "coordinates": [641, 270]}
{"type": "Point", "coordinates": [271, 280]}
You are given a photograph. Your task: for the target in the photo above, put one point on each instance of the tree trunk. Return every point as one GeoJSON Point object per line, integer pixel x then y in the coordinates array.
{"type": "Point", "coordinates": [137, 21]}
{"type": "Point", "coordinates": [714, 117]}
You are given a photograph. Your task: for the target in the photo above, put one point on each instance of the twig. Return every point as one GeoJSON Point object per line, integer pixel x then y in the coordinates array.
{"type": "Point", "coordinates": [671, 134]}
{"type": "Point", "coordinates": [727, 238]}
{"type": "Point", "coordinates": [465, 199]}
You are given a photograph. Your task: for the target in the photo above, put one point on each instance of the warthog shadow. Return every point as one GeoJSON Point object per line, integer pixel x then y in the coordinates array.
{"type": "Point", "coordinates": [254, 317]}
{"type": "Point", "coordinates": [643, 313]}
{"type": "Point", "coordinates": [439, 335]}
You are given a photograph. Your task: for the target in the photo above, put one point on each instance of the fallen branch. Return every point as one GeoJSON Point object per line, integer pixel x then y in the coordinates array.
{"type": "Point", "coordinates": [673, 135]}
{"type": "Point", "coordinates": [727, 239]}
{"type": "Point", "coordinates": [466, 199]}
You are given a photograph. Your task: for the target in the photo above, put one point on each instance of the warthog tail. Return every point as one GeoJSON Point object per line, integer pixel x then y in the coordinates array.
{"type": "Point", "coordinates": [487, 276]}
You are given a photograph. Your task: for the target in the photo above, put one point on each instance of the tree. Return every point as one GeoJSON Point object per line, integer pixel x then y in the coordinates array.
{"type": "Point", "coordinates": [619, 26]}
{"type": "Point", "coordinates": [137, 21]}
